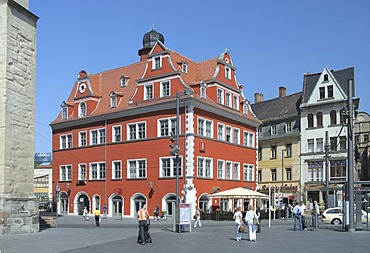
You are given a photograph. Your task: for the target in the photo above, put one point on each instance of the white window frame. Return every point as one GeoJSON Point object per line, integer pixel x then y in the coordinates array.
{"type": "Point", "coordinates": [236, 135]}
{"type": "Point", "coordinates": [146, 87]}
{"type": "Point", "coordinates": [220, 170]}
{"type": "Point", "coordinates": [288, 127]}
{"type": "Point", "coordinates": [82, 142]}
{"type": "Point", "coordinates": [230, 137]}
{"type": "Point", "coordinates": [66, 141]}
{"type": "Point", "coordinates": [172, 166]}
{"type": "Point", "coordinates": [114, 133]}
{"type": "Point", "coordinates": [228, 170]}
{"type": "Point", "coordinates": [228, 72]}
{"type": "Point", "coordinates": [82, 171]}
{"type": "Point", "coordinates": [113, 101]}
{"type": "Point", "coordinates": [222, 136]}
{"type": "Point", "coordinates": [220, 96]}
{"type": "Point", "coordinates": [116, 169]}
{"type": "Point", "coordinates": [319, 144]}
{"type": "Point", "coordinates": [203, 91]}
{"type": "Point", "coordinates": [137, 169]}
{"type": "Point", "coordinates": [208, 133]}
{"type": "Point", "coordinates": [310, 145]}
{"type": "Point", "coordinates": [171, 123]}
{"type": "Point", "coordinates": [248, 172]}
{"type": "Point", "coordinates": [245, 108]}
{"type": "Point", "coordinates": [123, 81]}
{"type": "Point", "coordinates": [82, 109]}
{"type": "Point", "coordinates": [65, 173]}
{"type": "Point", "coordinates": [163, 83]}
{"type": "Point", "coordinates": [273, 130]}
{"type": "Point", "coordinates": [137, 128]}
{"type": "Point", "coordinates": [228, 99]}
{"type": "Point", "coordinates": [248, 139]}
{"type": "Point", "coordinates": [65, 112]}
{"type": "Point", "coordinates": [101, 168]}
{"type": "Point", "coordinates": [184, 67]}
{"type": "Point", "coordinates": [99, 136]}
{"type": "Point", "coordinates": [236, 171]}
{"type": "Point", "coordinates": [202, 162]}
{"type": "Point", "coordinates": [236, 102]}
{"type": "Point", "coordinates": [201, 125]}
{"type": "Point", "coordinates": [159, 57]}
{"type": "Point", "coordinates": [205, 122]}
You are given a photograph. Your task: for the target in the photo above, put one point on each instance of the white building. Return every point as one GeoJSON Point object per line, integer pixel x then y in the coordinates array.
{"type": "Point", "coordinates": [323, 101]}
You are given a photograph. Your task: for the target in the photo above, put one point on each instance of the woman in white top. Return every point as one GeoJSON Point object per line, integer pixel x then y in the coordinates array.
{"type": "Point", "coordinates": [249, 220]}
{"type": "Point", "coordinates": [238, 217]}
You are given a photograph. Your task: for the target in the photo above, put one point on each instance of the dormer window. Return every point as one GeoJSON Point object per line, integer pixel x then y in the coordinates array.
{"type": "Point", "coordinates": [220, 96]}
{"type": "Point", "coordinates": [64, 111]}
{"type": "Point", "coordinates": [113, 100]}
{"type": "Point", "coordinates": [123, 81]}
{"type": "Point", "coordinates": [165, 89]}
{"type": "Point", "coordinates": [148, 91]}
{"type": "Point", "coordinates": [228, 95]}
{"type": "Point", "coordinates": [227, 72]}
{"type": "Point", "coordinates": [245, 108]}
{"type": "Point", "coordinates": [203, 93]}
{"type": "Point", "coordinates": [82, 109]}
{"type": "Point", "coordinates": [235, 102]}
{"type": "Point", "coordinates": [156, 62]}
{"type": "Point", "coordinates": [184, 67]}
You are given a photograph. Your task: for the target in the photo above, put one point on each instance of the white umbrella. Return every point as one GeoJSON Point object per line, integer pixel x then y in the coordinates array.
{"type": "Point", "coordinates": [239, 193]}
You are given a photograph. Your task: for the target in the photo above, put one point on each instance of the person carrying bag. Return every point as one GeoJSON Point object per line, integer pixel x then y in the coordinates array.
{"type": "Point", "coordinates": [238, 217]}
{"type": "Point", "coordinates": [251, 219]}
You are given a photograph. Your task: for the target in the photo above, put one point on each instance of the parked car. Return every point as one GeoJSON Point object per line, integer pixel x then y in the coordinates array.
{"type": "Point", "coordinates": [334, 216]}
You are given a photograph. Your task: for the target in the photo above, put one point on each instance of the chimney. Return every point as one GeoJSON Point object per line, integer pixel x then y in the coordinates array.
{"type": "Point", "coordinates": [282, 91]}
{"type": "Point", "coordinates": [258, 97]}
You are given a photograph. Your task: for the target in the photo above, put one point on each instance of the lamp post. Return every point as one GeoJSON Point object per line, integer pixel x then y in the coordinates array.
{"type": "Point", "coordinates": [57, 190]}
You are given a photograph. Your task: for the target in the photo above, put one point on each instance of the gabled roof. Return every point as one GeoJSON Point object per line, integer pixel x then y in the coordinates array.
{"type": "Point", "coordinates": [278, 108]}
{"type": "Point", "coordinates": [103, 83]}
{"type": "Point", "coordinates": [341, 76]}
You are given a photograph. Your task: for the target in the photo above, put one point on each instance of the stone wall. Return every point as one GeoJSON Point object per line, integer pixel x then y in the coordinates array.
{"type": "Point", "coordinates": [18, 206]}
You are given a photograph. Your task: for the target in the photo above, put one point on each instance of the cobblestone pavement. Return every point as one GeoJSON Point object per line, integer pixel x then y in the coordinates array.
{"type": "Point", "coordinates": [115, 235]}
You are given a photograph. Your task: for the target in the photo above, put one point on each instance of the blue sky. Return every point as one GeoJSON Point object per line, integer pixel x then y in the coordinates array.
{"type": "Point", "coordinates": [272, 43]}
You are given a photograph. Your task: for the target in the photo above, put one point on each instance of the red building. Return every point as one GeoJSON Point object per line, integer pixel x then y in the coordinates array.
{"type": "Point", "coordinates": [111, 139]}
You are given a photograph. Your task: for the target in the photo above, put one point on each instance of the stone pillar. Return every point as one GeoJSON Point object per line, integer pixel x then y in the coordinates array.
{"type": "Point", "coordinates": [18, 205]}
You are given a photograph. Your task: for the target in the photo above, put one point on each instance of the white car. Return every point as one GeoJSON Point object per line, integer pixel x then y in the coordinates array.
{"type": "Point", "coordinates": [334, 216]}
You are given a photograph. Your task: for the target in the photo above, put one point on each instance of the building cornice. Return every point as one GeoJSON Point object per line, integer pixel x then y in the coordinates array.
{"type": "Point", "coordinates": [159, 106]}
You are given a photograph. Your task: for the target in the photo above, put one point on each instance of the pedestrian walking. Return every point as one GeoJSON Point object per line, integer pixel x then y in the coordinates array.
{"type": "Point", "coordinates": [297, 217]}
{"type": "Point", "coordinates": [197, 218]}
{"type": "Point", "coordinates": [303, 213]}
{"type": "Point", "coordinates": [156, 213]}
{"type": "Point", "coordinates": [97, 217]}
{"type": "Point", "coordinates": [252, 220]}
{"type": "Point", "coordinates": [238, 218]}
{"type": "Point", "coordinates": [143, 217]}
{"type": "Point", "coordinates": [258, 212]}
{"type": "Point", "coordinates": [105, 208]}
{"type": "Point", "coordinates": [85, 213]}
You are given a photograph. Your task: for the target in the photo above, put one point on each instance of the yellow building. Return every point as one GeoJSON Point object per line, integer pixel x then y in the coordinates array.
{"type": "Point", "coordinates": [279, 146]}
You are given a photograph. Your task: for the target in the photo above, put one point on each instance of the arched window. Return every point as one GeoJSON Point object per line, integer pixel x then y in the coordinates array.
{"type": "Point", "coordinates": [310, 120]}
{"type": "Point", "coordinates": [326, 77]}
{"type": "Point", "coordinates": [319, 119]}
{"type": "Point", "coordinates": [82, 109]}
{"type": "Point", "coordinates": [333, 117]}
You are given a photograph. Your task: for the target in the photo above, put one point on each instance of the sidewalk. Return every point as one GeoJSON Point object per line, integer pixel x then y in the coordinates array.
{"type": "Point", "coordinates": [114, 235]}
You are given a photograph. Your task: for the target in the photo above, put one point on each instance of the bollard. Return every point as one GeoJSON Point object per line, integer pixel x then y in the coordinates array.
{"type": "Point", "coordinates": [316, 221]}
